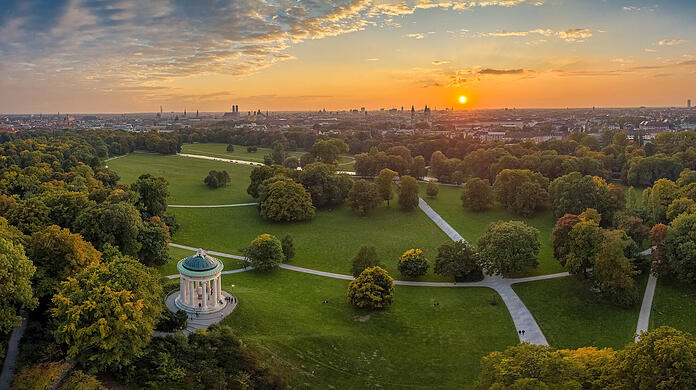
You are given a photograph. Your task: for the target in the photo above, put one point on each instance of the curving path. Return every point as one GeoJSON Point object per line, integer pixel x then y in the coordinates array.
{"type": "Point", "coordinates": [12, 351]}
{"type": "Point", "coordinates": [212, 205]}
{"type": "Point", "coordinates": [242, 162]}
{"type": "Point", "coordinates": [521, 316]}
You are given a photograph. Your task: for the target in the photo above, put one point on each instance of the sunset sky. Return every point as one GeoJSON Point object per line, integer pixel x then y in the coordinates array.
{"type": "Point", "coordinates": [87, 56]}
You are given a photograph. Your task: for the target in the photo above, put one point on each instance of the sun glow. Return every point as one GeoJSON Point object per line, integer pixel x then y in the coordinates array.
{"type": "Point", "coordinates": [462, 99]}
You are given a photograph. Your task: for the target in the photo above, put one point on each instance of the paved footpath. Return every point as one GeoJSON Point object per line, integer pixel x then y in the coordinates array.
{"type": "Point", "coordinates": [212, 205]}
{"type": "Point", "coordinates": [521, 316]}
{"type": "Point", "coordinates": [441, 223]}
{"type": "Point", "coordinates": [11, 357]}
{"type": "Point", "coordinates": [242, 162]}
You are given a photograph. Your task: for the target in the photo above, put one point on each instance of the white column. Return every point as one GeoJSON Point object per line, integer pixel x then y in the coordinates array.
{"type": "Point", "coordinates": [182, 290]}
{"type": "Point", "coordinates": [219, 287]}
{"type": "Point", "coordinates": [187, 291]}
{"type": "Point", "coordinates": [204, 289]}
{"type": "Point", "coordinates": [192, 293]}
{"type": "Point", "coordinates": [212, 293]}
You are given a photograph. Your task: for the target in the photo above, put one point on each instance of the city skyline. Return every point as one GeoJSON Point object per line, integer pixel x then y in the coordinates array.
{"type": "Point", "coordinates": [96, 57]}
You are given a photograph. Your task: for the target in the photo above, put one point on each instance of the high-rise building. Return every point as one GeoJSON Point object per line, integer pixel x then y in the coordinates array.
{"type": "Point", "coordinates": [688, 103]}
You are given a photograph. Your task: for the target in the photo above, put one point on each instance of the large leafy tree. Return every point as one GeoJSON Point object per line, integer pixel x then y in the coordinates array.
{"type": "Point", "coordinates": [106, 313]}
{"type": "Point", "coordinates": [561, 236]}
{"type": "Point", "coordinates": [153, 194]}
{"type": "Point", "coordinates": [15, 283]}
{"type": "Point", "coordinates": [573, 193]}
{"type": "Point", "coordinates": [521, 190]}
{"type": "Point", "coordinates": [679, 247]}
{"type": "Point", "coordinates": [327, 151]}
{"type": "Point", "coordinates": [154, 240]}
{"type": "Point", "coordinates": [325, 186]}
{"type": "Point", "coordinates": [259, 175]}
{"type": "Point", "coordinates": [265, 252]}
{"type": "Point", "coordinates": [477, 194]}
{"type": "Point", "coordinates": [372, 289]}
{"type": "Point", "coordinates": [664, 358]}
{"type": "Point", "coordinates": [458, 260]}
{"type": "Point", "coordinates": [613, 272]}
{"type": "Point", "coordinates": [507, 247]}
{"type": "Point", "coordinates": [117, 224]}
{"type": "Point", "coordinates": [286, 201]}
{"type": "Point", "coordinates": [57, 254]}
{"type": "Point", "coordinates": [363, 197]}
{"type": "Point", "coordinates": [385, 181]}
{"type": "Point", "coordinates": [586, 238]}
{"type": "Point", "coordinates": [408, 193]}
{"type": "Point", "coordinates": [656, 200]}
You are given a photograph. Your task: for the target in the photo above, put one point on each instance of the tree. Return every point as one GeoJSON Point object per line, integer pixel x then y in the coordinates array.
{"type": "Point", "coordinates": [363, 197]}
{"type": "Point", "coordinates": [278, 153]}
{"type": "Point", "coordinates": [324, 185]}
{"type": "Point", "coordinates": [432, 189]}
{"type": "Point", "coordinates": [15, 280]}
{"type": "Point", "coordinates": [680, 206]}
{"type": "Point", "coordinates": [573, 193]}
{"type": "Point", "coordinates": [106, 313]}
{"type": "Point", "coordinates": [679, 247]}
{"type": "Point", "coordinates": [586, 238]}
{"type": "Point", "coordinates": [57, 254]}
{"type": "Point", "coordinates": [366, 258]}
{"type": "Point", "coordinates": [288, 246]}
{"type": "Point", "coordinates": [438, 160]}
{"type": "Point", "coordinates": [291, 162]}
{"type": "Point", "coordinates": [458, 260]}
{"type": "Point", "coordinates": [153, 194]}
{"type": "Point", "coordinates": [372, 289]}
{"type": "Point", "coordinates": [306, 159]}
{"type": "Point", "coordinates": [257, 176]}
{"type": "Point", "coordinates": [418, 169]}
{"type": "Point", "coordinates": [385, 181]}
{"type": "Point", "coordinates": [327, 151]}
{"type": "Point", "coordinates": [230, 148]}
{"type": "Point", "coordinates": [287, 201]}
{"type": "Point", "coordinates": [659, 266]}
{"type": "Point", "coordinates": [663, 358]}
{"type": "Point", "coordinates": [506, 247]}
{"type": "Point", "coordinates": [252, 149]}
{"type": "Point", "coordinates": [657, 199]}
{"type": "Point", "coordinates": [413, 263]}
{"type": "Point", "coordinates": [527, 366]}
{"type": "Point", "coordinates": [217, 179]}
{"type": "Point", "coordinates": [634, 227]}
{"type": "Point", "coordinates": [477, 194]}
{"type": "Point", "coordinates": [612, 272]}
{"type": "Point", "coordinates": [408, 193]}
{"type": "Point", "coordinates": [561, 236]}
{"type": "Point", "coordinates": [154, 241]}
{"type": "Point", "coordinates": [40, 376]}
{"type": "Point", "coordinates": [521, 190]}
{"type": "Point", "coordinates": [117, 224]}
{"type": "Point", "coordinates": [265, 252]}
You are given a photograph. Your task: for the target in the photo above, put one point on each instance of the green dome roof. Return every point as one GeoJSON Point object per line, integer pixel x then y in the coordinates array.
{"type": "Point", "coordinates": [200, 262]}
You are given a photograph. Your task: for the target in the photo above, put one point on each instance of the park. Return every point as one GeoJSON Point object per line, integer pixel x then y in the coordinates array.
{"type": "Point", "coordinates": [301, 322]}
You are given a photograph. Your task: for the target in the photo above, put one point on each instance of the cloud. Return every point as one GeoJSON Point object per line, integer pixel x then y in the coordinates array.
{"type": "Point", "coordinates": [415, 36]}
{"type": "Point", "coordinates": [544, 32]}
{"type": "Point", "coordinates": [575, 34]}
{"type": "Point", "coordinates": [650, 50]}
{"type": "Point", "coordinates": [439, 62]}
{"type": "Point", "coordinates": [372, 59]}
{"type": "Point", "coordinates": [672, 42]}
{"type": "Point", "coordinates": [491, 71]}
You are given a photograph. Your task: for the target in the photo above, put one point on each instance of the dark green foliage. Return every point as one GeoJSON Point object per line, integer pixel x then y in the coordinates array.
{"type": "Point", "coordinates": [230, 148]}
{"type": "Point", "coordinates": [679, 247]}
{"type": "Point", "coordinates": [408, 193]}
{"type": "Point", "coordinates": [286, 201]}
{"type": "Point", "coordinates": [217, 179]}
{"type": "Point", "coordinates": [325, 186]}
{"type": "Point", "coordinates": [153, 195]}
{"type": "Point", "coordinates": [521, 191]}
{"type": "Point", "coordinates": [366, 257]}
{"type": "Point", "coordinates": [258, 175]}
{"type": "Point", "coordinates": [507, 247]}
{"type": "Point", "coordinates": [458, 260]}
{"type": "Point", "coordinates": [288, 247]}
{"type": "Point", "coordinates": [363, 197]}
{"type": "Point", "coordinates": [252, 149]}
{"type": "Point", "coordinates": [171, 322]}
{"type": "Point", "coordinates": [154, 237]}
{"type": "Point", "coordinates": [477, 194]}
{"type": "Point", "coordinates": [265, 252]}
{"type": "Point", "coordinates": [116, 224]}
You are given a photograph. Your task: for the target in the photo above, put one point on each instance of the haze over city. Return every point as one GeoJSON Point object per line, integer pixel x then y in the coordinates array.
{"type": "Point", "coordinates": [127, 56]}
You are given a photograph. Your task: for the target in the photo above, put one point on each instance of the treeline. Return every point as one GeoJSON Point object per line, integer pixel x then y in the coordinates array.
{"type": "Point", "coordinates": [78, 251]}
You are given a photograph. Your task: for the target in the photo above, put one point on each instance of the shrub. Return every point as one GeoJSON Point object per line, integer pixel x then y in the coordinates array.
{"type": "Point", "coordinates": [288, 247]}
{"type": "Point", "coordinates": [217, 179]}
{"type": "Point", "coordinates": [413, 263]}
{"type": "Point", "coordinates": [432, 189]}
{"type": "Point", "coordinates": [230, 148]}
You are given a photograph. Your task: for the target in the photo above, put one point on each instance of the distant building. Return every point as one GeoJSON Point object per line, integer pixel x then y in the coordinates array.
{"type": "Point", "coordinates": [688, 103]}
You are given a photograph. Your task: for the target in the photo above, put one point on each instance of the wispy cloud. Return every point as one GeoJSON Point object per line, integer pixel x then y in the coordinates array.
{"type": "Point", "coordinates": [569, 35]}
{"type": "Point", "coordinates": [415, 36]}
{"type": "Point", "coordinates": [575, 34]}
{"type": "Point", "coordinates": [672, 42]}
{"type": "Point", "coordinates": [439, 62]}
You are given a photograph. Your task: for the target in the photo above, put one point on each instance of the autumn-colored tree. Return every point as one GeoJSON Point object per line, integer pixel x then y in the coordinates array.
{"type": "Point", "coordinates": [15, 280]}
{"type": "Point", "coordinates": [57, 254]}
{"type": "Point", "coordinates": [432, 189]}
{"type": "Point", "coordinates": [561, 236]}
{"type": "Point", "coordinates": [106, 313]}
{"type": "Point", "coordinates": [585, 241]}
{"type": "Point", "coordinates": [680, 206]}
{"type": "Point", "coordinates": [372, 289]}
{"type": "Point", "coordinates": [413, 263]}
{"type": "Point", "coordinates": [656, 200]}
{"type": "Point", "coordinates": [634, 227]}
{"type": "Point", "coordinates": [612, 272]}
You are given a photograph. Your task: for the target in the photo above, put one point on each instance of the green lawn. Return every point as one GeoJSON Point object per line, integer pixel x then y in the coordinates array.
{"type": "Point", "coordinates": [328, 242]}
{"type": "Point", "coordinates": [413, 344]}
{"type": "Point", "coordinates": [674, 305]}
{"type": "Point", "coordinates": [571, 316]}
{"type": "Point", "coordinates": [345, 162]}
{"type": "Point", "coordinates": [185, 176]}
{"type": "Point", "coordinates": [471, 225]}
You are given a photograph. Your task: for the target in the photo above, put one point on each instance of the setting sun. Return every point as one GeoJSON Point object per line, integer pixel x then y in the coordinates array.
{"type": "Point", "coordinates": [462, 99]}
